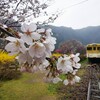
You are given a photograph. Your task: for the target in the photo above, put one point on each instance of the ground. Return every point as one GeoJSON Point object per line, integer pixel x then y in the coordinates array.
{"type": "Point", "coordinates": [32, 87]}
{"type": "Point", "coordinates": [28, 87]}
{"type": "Point", "coordinates": [79, 90]}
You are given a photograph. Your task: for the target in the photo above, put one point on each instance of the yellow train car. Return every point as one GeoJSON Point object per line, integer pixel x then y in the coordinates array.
{"type": "Point", "coordinates": [93, 52]}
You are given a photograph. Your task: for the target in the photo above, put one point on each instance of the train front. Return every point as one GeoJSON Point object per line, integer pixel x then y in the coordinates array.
{"type": "Point", "coordinates": [93, 53]}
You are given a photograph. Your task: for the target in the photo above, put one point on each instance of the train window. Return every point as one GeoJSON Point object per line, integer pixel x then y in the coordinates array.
{"type": "Point", "coordinates": [94, 48]}
{"type": "Point", "coordinates": [89, 48]}
{"type": "Point", "coordinates": [98, 48]}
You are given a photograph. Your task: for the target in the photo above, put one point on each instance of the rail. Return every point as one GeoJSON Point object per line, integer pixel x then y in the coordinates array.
{"type": "Point", "coordinates": [94, 83]}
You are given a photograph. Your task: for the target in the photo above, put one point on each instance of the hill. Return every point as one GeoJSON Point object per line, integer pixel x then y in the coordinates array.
{"type": "Point", "coordinates": [85, 35]}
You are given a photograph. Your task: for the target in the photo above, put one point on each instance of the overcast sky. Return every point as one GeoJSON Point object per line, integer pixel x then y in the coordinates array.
{"type": "Point", "coordinates": [79, 16]}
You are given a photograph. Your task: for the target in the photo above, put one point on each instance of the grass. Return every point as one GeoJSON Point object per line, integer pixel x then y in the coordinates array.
{"type": "Point", "coordinates": [31, 87]}
{"type": "Point", "coordinates": [28, 87]}
{"type": "Point", "coordinates": [54, 88]}
{"type": "Point", "coordinates": [84, 63]}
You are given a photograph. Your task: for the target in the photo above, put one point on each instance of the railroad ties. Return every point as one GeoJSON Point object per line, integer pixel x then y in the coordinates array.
{"type": "Point", "coordinates": [94, 83]}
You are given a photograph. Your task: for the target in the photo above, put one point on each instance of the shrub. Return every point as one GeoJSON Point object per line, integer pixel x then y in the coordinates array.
{"type": "Point", "coordinates": [8, 67]}
{"type": "Point", "coordinates": [9, 74]}
{"type": "Point", "coordinates": [82, 57]}
{"type": "Point", "coordinates": [5, 58]}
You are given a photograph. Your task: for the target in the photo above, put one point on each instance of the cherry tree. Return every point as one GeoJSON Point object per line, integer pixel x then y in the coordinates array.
{"type": "Point", "coordinates": [13, 13]}
{"type": "Point", "coordinates": [72, 46]}
{"type": "Point", "coordinates": [34, 44]}
{"type": "Point", "coordinates": [25, 10]}
{"type": "Point", "coordinates": [34, 48]}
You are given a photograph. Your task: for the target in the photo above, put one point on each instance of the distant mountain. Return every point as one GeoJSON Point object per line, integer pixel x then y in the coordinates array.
{"type": "Point", "coordinates": [85, 36]}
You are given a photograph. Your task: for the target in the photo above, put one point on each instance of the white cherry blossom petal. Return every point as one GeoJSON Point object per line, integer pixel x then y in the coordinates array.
{"type": "Point", "coordinates": [35, 69]}
{"type": "Point", "coordinates": [49, 47]}
{"type": "Point", "coordinates": [51, 40]}
{"type": "Point", "coordinates": [35, 36]}
{"type": "Point", "coordinates": [20, 34]}
{"type": "Point", "coordinates": [56, 80]}
{"type": "Point", "coordinates": [24, 27]}
{"type": "Point", "coordinates": [22, 47]}
{"type": "Point", "coordinates": [77, 78]}
{"type": "Point", "coordinates": [14, 53]}
{"type": "Point", "coordinates": [49, 32]}
{"type": "Point", "coordinates": [76, 59]}
{"type": "Point", "coordinates": [48, 53]}
{"type": "Point", "coordinates": [67, 69]}
{"type": "Point", "coordinates": [65, 82]}
{"type": "Point", "coordinates": [64, 65]}
{"type": "Point", "coordinates": [37, 50]}
{"type": "Point", "coordinates": [43, 66]}
{"type": "Point", "coordinates": [40, 30]}
{"type": "Point", "coordinates": [32, 27]}
{"type": "Point", "coordinates": [22, 58]}
{"type": "Point", "coordinates": [4, 26]}
{"type": "Point", "coordinates": [11, 47]}
{"type": "Point", "coordinates": [26, 38]}
{"type": "Point", "coordinates": [78, 65]}
{"type": "Point", "coordinates": [12, 39]}
{"type": "Point", "coordinates": [74, 72]}
{"type": "Point", "coordinates": [77, 54]}
{"type": "Point", "coordinates": [16, 46]}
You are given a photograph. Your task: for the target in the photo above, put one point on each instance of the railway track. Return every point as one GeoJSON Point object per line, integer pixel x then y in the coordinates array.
{"type": "Point", "coordinates": [94, 83]}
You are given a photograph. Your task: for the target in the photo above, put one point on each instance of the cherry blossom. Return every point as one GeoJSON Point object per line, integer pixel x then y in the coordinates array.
{"type": "Point", "coordinates": [44, 65]}
{"type": "Point", "coordinates": [77, 78]}
{"type": "Point", "coordinates": [49, 32]}
{"type": "Point", "coordinates": [25, 57]}
{"type": "Point", "coordinates": [56, 80]}
{"type": "Point", "coordinates": [29, 33]}
{"type": "Point", "coordinates": [34, 50]}
{"type": "Point", "coordinates": [64, 64]}
{"type": "Point", "coordinates": [41, 30]}
{"type": "Point", "coordinates": [28, 28]}
{"type": "Point", "coordinates": [50, 45]}
{"type": "Point", "coordinates": [65, 82]}
{"type": "Point", "coordinates": [75, 57]}
{"type": "Point", "coordinates": [15, 46]}
{"type": "Point", "coordinates": [37, 50]}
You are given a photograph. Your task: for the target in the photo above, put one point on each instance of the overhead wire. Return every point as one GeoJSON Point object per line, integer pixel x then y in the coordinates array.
{"type": "Point", "coordinates": [64, 9]}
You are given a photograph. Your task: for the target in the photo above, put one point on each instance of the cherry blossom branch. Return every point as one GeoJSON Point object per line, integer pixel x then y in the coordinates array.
{"type": "Point", "coordinates": [34, 49]}
{"type": "Point", "coordinates": [6, 32]}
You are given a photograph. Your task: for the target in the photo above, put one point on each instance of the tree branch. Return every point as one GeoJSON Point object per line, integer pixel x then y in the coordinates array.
{"type": "Point", "coordinates": [18, 4]}
{"type": "Point", "coordinates": [6, 32]}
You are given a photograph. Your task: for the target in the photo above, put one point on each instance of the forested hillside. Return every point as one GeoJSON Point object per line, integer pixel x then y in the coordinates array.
{"type": "Point", "coordinates": [85, 35]}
